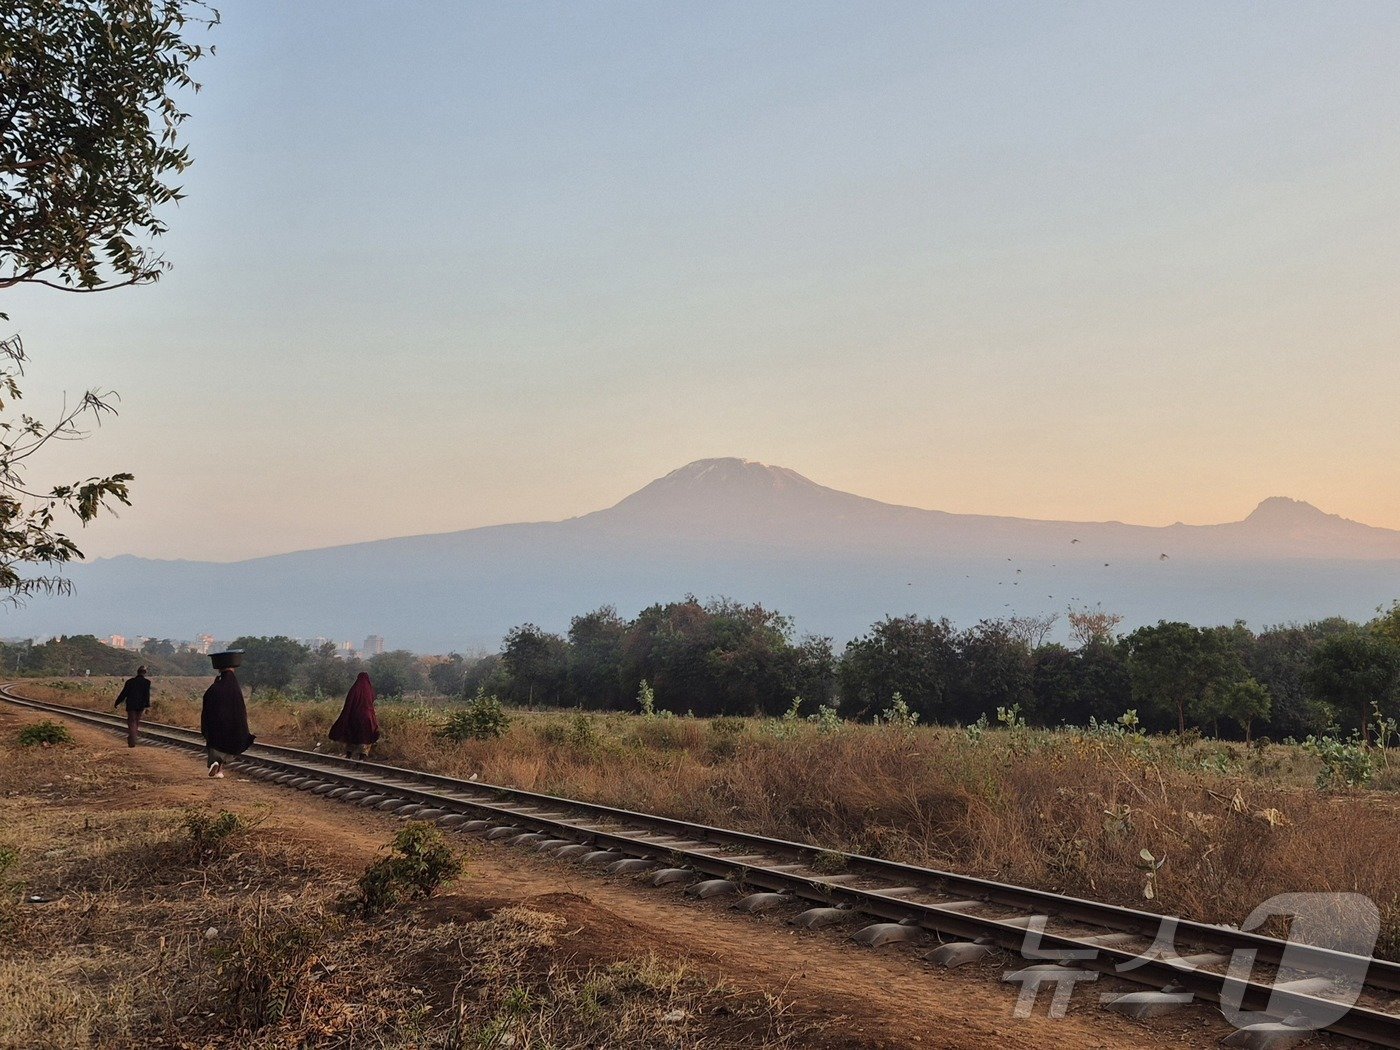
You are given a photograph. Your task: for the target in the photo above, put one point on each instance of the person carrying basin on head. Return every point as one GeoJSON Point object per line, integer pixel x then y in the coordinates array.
{"type": "Point", "coordinates": [224, 717]}
{"type": "Point", "coordinates": [136, 694]}
{"type": "Point", "coordinates": [357, 727]}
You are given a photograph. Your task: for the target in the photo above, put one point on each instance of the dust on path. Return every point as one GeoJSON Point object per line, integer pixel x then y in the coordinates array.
{"type": "Point", "coordinates": [855, 997]}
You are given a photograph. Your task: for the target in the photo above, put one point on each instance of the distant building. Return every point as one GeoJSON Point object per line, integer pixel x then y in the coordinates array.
{"type": "Point", "coordinates": [374, 645]}
{"type": "Point", "coordinates": [117, 641]}
{"type": "Point", "coordinates": [204, 644]}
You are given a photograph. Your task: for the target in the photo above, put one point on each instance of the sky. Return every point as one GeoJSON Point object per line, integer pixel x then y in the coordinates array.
{"type": "Point", "coordinates": [443, 265]}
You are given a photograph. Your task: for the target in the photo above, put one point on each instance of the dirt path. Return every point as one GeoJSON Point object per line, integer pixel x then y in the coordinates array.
{"type": "Point", "coordinates": [855, 997]}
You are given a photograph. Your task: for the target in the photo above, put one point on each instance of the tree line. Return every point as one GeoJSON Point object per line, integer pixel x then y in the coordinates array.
{"type": "Point", "coordinates": [725, 658]}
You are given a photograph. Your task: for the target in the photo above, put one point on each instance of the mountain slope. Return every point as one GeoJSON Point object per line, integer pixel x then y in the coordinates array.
{"type": "Point", "coordinates": [834, 560]}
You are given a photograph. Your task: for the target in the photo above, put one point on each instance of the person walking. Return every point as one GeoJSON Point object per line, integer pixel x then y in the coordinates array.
{"type": "Point", "coordinates": [136, 694]}
{"type": "Point", "coordinates": [224, 718]}
{"type": "Point", "coordinates": [357, 727]}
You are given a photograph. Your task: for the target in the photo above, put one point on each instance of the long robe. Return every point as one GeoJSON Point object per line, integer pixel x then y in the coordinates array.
{"type": "Point", "coordinates": [224, 719]}
{"type": "Point", "coordinates": [357, 725]}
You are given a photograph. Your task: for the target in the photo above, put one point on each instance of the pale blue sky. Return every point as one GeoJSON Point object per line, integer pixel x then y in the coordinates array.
{"type": "Point", "coordinates": [448, 264]}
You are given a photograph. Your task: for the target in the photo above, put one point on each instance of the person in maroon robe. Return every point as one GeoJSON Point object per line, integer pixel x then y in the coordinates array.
{"type": "Point", "coordinates": [224, 718]}
{"type": "Point", "coordinates": [357, 727]}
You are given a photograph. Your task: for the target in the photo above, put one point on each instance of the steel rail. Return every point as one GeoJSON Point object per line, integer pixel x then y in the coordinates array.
{"type": "Point", "coordinates": [516, 810]}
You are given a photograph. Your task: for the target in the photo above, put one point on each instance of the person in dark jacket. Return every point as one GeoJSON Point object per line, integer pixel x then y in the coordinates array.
{"type": "Point", "coordinates": [136, 694]}
{"type": "Point", "coordinates": [357, 727]}
{"type": "Point", "coordinates": [224, 717]}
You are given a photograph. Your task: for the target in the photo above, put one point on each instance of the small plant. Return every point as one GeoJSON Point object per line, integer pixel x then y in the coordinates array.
{"type": "Point", "coordinates": [1151, 865]}
{"type": "Point", "coordinates": [583, 733]}
{"type": "Point", "coordinates": [1345, 763]}
{"type": "Point", "coordinates": [208, 831]}
{"type": "Point", "coordinates": [827, 719]}
{"type": "Point", "coordinates": [483, 718]}
{"type": "Point", "coordinates": [787, 726]}
{"type": "Point", "coordinates": [44, 734]}
{"type": "Point", "coordinates": [419, 862]}
{"type": "Point", "coordinates": [898, 716]}
{"type": "Point", "coordinates": [1386, 729]}
{"type": "Point", "coordinates": [646, 699]}
{"type": "Point", "coordinates": [974, 730]}
{"type": "Point", "coordinates": [1010, 717]}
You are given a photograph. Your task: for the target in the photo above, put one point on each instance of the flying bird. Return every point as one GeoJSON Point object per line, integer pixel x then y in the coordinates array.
{"type": "Point", "coordinates": [1074, 541]}
{"type": "Point", "coordinates": [1162, 558]}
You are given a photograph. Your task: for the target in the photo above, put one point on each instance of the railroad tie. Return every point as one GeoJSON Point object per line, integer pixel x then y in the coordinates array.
{"type": "Point", "coordinates": [711, 888]}
{"type": "Point", "coordinates": [629, 866]}
{"type": "Point", "coordinates": [668, 876]}
{"type": "Point", "coordinates": [816, 918]}
{"type": "Point", "coordinates": [959, 953]}
{"type": "Point", "coordinates": [1268, 1035]}
{"type": "Point", "coordinates": [755, 903]}
{"type": "Point", "coordinates": [879, 933]}
{"type": "Point", "coordinates": [1141, 1006]}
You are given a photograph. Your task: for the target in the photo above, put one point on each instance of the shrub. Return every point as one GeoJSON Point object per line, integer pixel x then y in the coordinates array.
{"type": "Point", "coordinates": [583, 734]}
{"type": "Point", "coordinates": [208, 831]}
{"type": "Point", "coordinates": [419, 862]}
{"type": "Point", "coordinates": [1345, 763]}
{"type": "Point", "coordinates": [483, 718]}
{"type": "Point", "coordinates": [827, 719]}
{"type": "Point", "coordinates": [44, 734]}
{"type": "Point", "coordinates": [898, 716]}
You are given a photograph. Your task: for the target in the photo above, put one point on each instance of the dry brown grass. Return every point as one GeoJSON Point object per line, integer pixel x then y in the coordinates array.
{"type": "Point", "coordinates": [1067, 812]}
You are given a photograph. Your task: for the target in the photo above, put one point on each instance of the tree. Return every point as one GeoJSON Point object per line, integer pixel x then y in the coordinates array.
{"type": "Point", "coordinates": [914, 657]}
{"type": "Point", "coordinates": [447, 673]}
{"type": "Point", "coordinates": [1031, 631]}
{"type": "Point", "coordinates": [1280, 662]}
{"type": "Point", "coordinates": [397, 673]}
{"type": "Point", "coordinates": [1073, 686]}
{"type": "Point", "coordinates": [995, 669]}
{"type": "Point", "coordinates": [269, 661]}
{"type": "Point", "coordinates": [716, 658]}
{"type": "Point", "coordinates": [158, 647]}
{"type": "Point", "coordinates": [1174, 664]}
{"type": "Point", "coordinates": [595, 658]}
{"type": "Point", "coordinates": [1242, 700]}
{"type": "Point", "coordinates": [325, 673]}
{"type": "Point", "coordinates": [1387, 623]}
{"type": "Point", "coordinates": [88, 124]}
{"type": "Point", "coordinates": [1087, 626]}
{"type": "Point", "coordinates": [537, 663]}
{"type": "Point", "coordinates": [1355, 670]}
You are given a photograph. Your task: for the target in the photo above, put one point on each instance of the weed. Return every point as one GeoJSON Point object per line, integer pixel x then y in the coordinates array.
{"type": "Point", "coordinates": [898, 716]}
{"type": "Point", "coordinates": [483, 718]}
{"type": "Point", "coordinates": [827, 719]}
{"type": "Point", "coordinates": [208, 831]}
{"type": "Point", "coordinates": [583, 734]}
{"type": "Point", "coordinates": [266, 974]}
{"type": "Point", "coordinates": [44, 734]}
{"type": "Point", "coordinates": [419, 863]}
{"type": "Point", "coordinates": [1345, 763]}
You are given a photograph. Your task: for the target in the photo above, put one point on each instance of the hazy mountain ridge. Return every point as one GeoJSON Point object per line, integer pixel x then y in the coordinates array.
{"type": "Point", "coordinates": [834, 560]}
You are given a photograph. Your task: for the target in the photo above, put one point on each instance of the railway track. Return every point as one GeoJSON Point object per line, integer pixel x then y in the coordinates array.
{"type": "Point", "coordinates": [1293, 989]}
